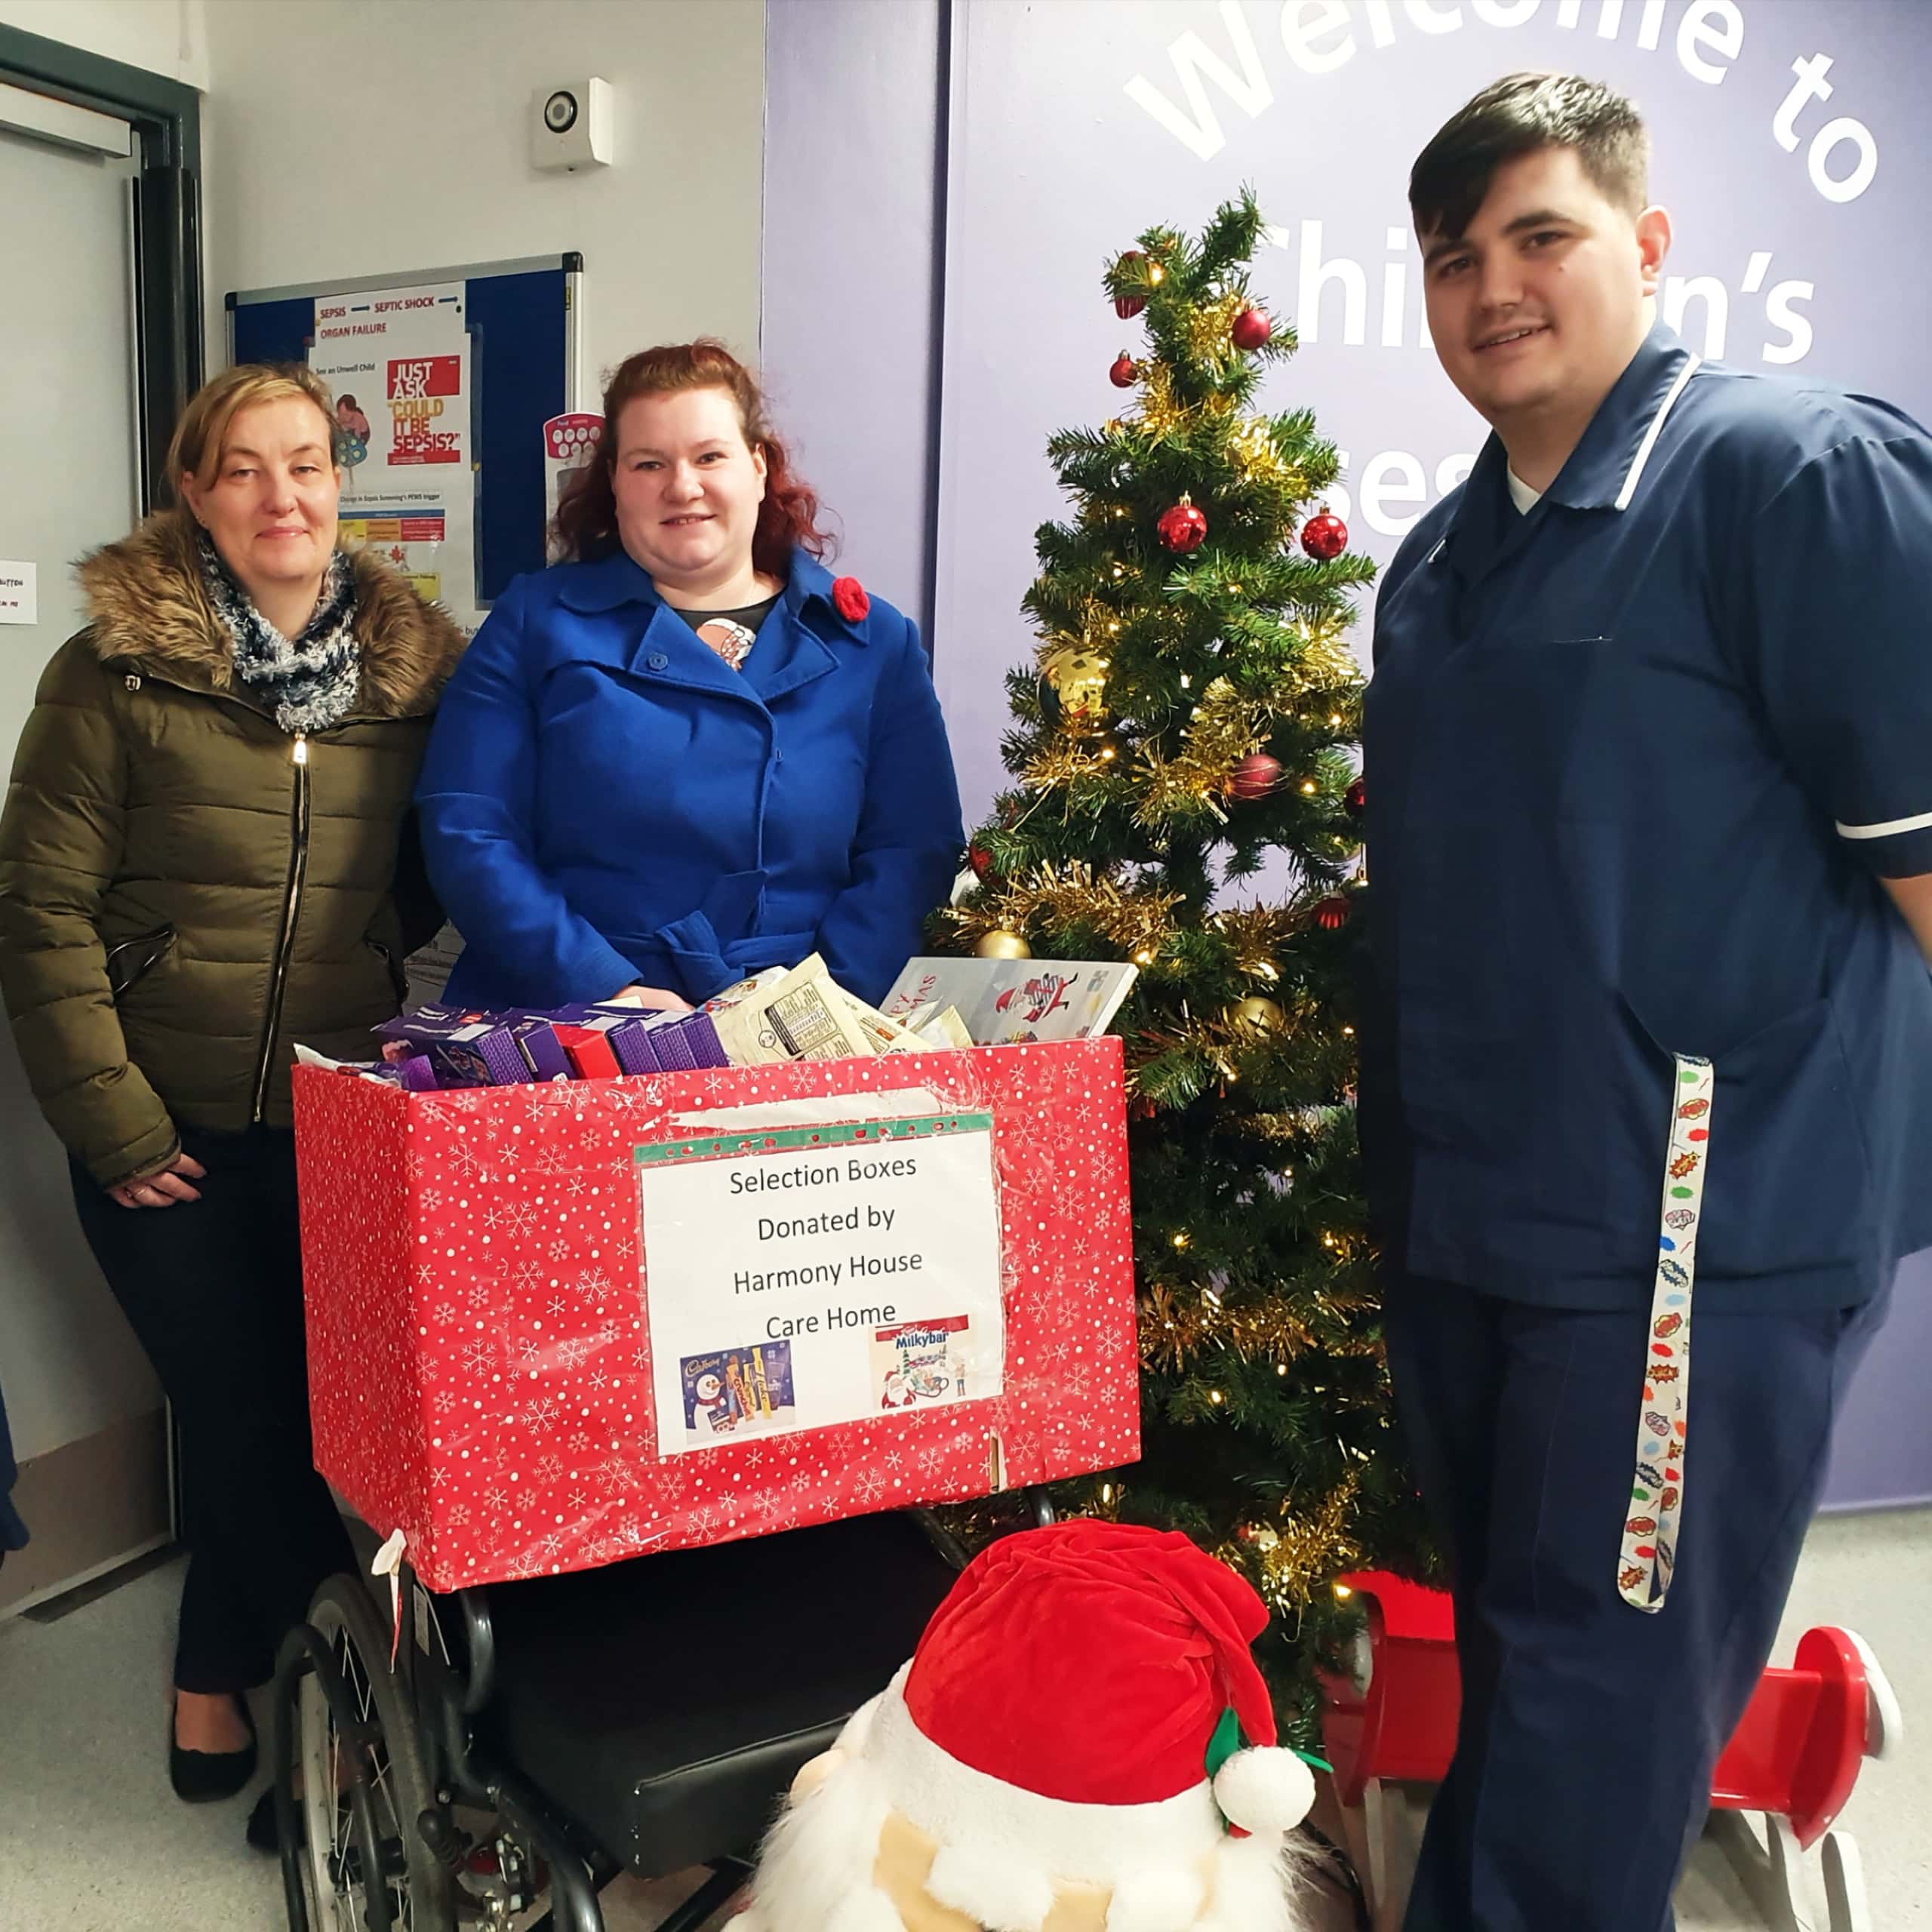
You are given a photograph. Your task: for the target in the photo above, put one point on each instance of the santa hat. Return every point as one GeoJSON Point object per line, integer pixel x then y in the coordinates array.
{"type": "Point", "coordinates": [1082, 1712]}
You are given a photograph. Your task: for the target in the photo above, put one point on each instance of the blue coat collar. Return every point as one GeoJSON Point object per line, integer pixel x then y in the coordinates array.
{"type": "Point", "coordinates": [611, 583]}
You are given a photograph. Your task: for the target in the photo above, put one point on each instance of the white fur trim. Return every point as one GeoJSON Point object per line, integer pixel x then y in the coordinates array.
{"type": "Point", "coordinates": [868, 1911]}
{"type": "Point", "coordinates": [1267, 1791]}
{"type": "Point", "coordinates": [852, 1740]}
{"type": "Point", "coordinates": [1166, 1899]}
{"type": "Point", "coordinates": [1253, 1889]}
{"type": "Point", "coordinates": [990, 1887]}
{"type": "Point", "coordinates": [822, 1854]}
{"type": "Point", "coordinates": [953, 1804]}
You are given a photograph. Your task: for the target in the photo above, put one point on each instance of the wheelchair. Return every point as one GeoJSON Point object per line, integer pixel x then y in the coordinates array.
{"type": "Point", "coordinates": [501, 1755]}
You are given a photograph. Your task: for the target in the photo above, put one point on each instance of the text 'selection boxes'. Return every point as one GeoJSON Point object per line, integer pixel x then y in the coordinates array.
{"type": "Point", "coordinates": [551, 1326]}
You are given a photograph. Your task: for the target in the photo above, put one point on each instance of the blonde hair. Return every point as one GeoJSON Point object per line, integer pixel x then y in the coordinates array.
{"type": "Point", "coordinates": [194, 449]}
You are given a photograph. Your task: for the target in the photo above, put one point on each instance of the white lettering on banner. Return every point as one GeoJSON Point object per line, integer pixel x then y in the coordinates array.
{"type": "Point", "coordinates": [1299, 32]}
{"type": "Point", "coordinates": [1318, 38]}
{"type": "Point", "coordinates": [1333, 288]}
{"type": "Point", "coordinates": [799, 1277]}
{"type": "Point", "coordinates": [1192, 57]}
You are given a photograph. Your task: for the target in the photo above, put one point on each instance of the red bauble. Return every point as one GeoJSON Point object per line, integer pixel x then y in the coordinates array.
{"type": "Point", "coordinates": [981, 860]}
{"type": "Point", "coordinates": [1124, 372]}
{"type": "Point", "coordinates": [1324, 536]}
{"type": "Point", "coordinates": [1251, 328]}
{"type": "Point", "coordinates": [1355, 800]}
{"type": "Point", "coordinates": [1128, 306]}
{"type": "Point", "coordinates": [1332, 914]}
{"type": "Point", "coordinates": [849, 598]}
{"type": "Point", "coordinates": [1183, 528]}
{"type": "Point", "coordinates": [1255, 777]}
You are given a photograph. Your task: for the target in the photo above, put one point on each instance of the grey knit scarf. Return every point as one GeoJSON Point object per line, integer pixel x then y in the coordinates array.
{"type": "Point", "coordinates": [309, 681]}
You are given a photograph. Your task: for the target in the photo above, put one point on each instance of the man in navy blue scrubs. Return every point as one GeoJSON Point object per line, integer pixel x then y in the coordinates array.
{"type": "Point", "coordinates": [1648, 761]}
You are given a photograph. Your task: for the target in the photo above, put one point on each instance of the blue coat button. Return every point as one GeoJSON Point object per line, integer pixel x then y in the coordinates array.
{"type": "Point", "coordinates": [658, 661]}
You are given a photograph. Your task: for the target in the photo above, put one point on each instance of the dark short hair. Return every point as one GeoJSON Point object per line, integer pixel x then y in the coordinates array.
{"type": "Point", "coordinates": [1516, 116]}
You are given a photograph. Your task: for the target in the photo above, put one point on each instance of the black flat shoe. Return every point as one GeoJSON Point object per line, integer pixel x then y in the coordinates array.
{"type": "Point", "coordinates": [262, 1832]}
{"type": "Point", "coordinates": [201, 1777]}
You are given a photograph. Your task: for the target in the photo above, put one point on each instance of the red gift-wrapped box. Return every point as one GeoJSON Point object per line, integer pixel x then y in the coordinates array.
{"type": "Point", "coordinates": [480, 1359]}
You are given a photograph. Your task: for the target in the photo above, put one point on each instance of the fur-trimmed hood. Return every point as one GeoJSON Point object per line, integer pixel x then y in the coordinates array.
{"type": "Point", "coordinates": [146, 602]}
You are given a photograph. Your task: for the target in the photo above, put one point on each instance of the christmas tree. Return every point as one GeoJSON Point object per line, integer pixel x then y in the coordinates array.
{"type": "Point", "coordinates": [1191, 717]}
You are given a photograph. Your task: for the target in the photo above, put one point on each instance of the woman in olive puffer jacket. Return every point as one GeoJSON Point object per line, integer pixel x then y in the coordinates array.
{"type": "Point", "coordinates": [199, 862]}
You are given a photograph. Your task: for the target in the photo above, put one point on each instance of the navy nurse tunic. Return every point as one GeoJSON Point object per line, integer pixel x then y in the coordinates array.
{"type": "Point", "coordinates": [1636, 762]}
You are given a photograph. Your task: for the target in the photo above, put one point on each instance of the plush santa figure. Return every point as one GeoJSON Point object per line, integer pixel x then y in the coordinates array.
{"type": "Point", "coordinates": [1082, 1742]}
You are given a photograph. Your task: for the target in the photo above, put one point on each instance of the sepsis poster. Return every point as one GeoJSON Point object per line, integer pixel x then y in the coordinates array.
{"type": "Point", "coordinates": [396, 362]}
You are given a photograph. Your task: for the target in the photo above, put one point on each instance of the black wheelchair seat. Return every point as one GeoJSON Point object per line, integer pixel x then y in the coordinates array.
{"type": "Point", "coordinates": [664, 1704]}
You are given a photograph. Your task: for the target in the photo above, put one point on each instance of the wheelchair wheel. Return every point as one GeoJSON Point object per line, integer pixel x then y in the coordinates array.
{"type": "Point", "coordinates": [363, 1864]}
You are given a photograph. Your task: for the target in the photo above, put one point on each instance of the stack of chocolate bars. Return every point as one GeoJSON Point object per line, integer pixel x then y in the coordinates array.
{"type": "Point", "coordinates": [443, 1046]}
{"type": "Point", "coordinates": [783, 1014]}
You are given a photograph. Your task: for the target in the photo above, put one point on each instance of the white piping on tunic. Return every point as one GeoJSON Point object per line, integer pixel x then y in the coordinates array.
{"type": "Point", "coordinates": [1891, 828]}
{"type": "Point", "coordinates": [1650, 442]}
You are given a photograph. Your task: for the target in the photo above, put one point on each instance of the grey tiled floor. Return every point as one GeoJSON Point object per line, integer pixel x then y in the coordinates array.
{"type": "Point", "coordinates": [92, 1841]}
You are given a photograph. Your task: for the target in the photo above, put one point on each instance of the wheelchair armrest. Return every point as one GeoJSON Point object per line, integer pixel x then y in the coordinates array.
{"type": "Point", "coordinates": [479, 1638]}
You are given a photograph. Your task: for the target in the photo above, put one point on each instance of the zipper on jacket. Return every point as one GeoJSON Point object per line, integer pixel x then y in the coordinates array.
{"type": "Point", "coordinates": [285, 946]}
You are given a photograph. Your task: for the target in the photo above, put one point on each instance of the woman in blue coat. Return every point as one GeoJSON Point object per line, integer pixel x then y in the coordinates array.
{"type": "Point", "coordinates": [687, 753]}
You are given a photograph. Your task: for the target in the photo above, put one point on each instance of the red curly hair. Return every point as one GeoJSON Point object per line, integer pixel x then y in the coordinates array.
{"type": "Point", "coordinates": [587, 525]}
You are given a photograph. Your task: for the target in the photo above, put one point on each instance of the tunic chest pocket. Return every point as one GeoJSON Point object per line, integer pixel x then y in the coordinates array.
{"type": "Point", "coordinates": [1523, 718]}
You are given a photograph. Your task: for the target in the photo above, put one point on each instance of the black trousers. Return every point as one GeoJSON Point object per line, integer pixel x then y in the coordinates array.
{"type": "Point", "coordinates": [1590, 1730]}
{"type": "Point", "coordinates": [213, 1290]}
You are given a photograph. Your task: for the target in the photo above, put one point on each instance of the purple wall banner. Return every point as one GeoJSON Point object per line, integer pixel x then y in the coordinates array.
{"type": "Point", "coordinates": [1790, 146]}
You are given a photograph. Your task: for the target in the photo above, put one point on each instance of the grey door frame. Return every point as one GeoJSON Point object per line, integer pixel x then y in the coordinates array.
{"type": "Point", "coordinates": [169, 350]}
{"type": "Point", "coordinates": [166, 117]}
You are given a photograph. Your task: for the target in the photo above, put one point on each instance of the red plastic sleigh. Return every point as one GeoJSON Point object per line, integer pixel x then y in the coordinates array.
{"type": "Point", "coordinates": [1793, 1760]}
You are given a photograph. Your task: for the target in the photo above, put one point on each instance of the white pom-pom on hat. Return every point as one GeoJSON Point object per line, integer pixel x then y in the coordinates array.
{"type": "Point", "coordinates": [1266, 1791]}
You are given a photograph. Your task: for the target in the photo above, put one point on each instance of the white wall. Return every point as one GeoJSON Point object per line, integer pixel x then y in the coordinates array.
{"type": "Point", "coordinates": [354, 137]}
{"type": "Point", "coordinates": [167, 37]}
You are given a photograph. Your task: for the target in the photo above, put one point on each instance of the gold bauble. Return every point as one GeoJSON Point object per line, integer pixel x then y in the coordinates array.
{"type": "Point", "coordinates": [1001, 944]}
{"type": "Point", "coordinates": [1079, 677]}
{"type": "Point", "coordinates": [1261, 1016]}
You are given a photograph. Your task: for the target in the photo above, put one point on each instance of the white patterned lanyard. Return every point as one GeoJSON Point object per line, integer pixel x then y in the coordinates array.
{"type": "Point", "coordinates": [1657, 1495]}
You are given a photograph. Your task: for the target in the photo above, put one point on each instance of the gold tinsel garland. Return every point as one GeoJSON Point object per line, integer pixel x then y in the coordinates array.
{"type": "Point", "coordinates": [1300, 1555]}
{"type": "Point", "coordinates": [1069, 760]}
{"type": "Point", "coordinates": [1173, 1333]}
{"type": "Point", "coordinates": [1210, 329]}
{"type": "Point", "coordinates": [1224, 729]}
{"type": "Point", "coordinates": [1060, 899]}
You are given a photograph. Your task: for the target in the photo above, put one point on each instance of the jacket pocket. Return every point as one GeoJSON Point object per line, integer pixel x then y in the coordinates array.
{"type": "Point", "coordinates": [131, 960]}
{"type": "Point", "coordinates": [398, 975]}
